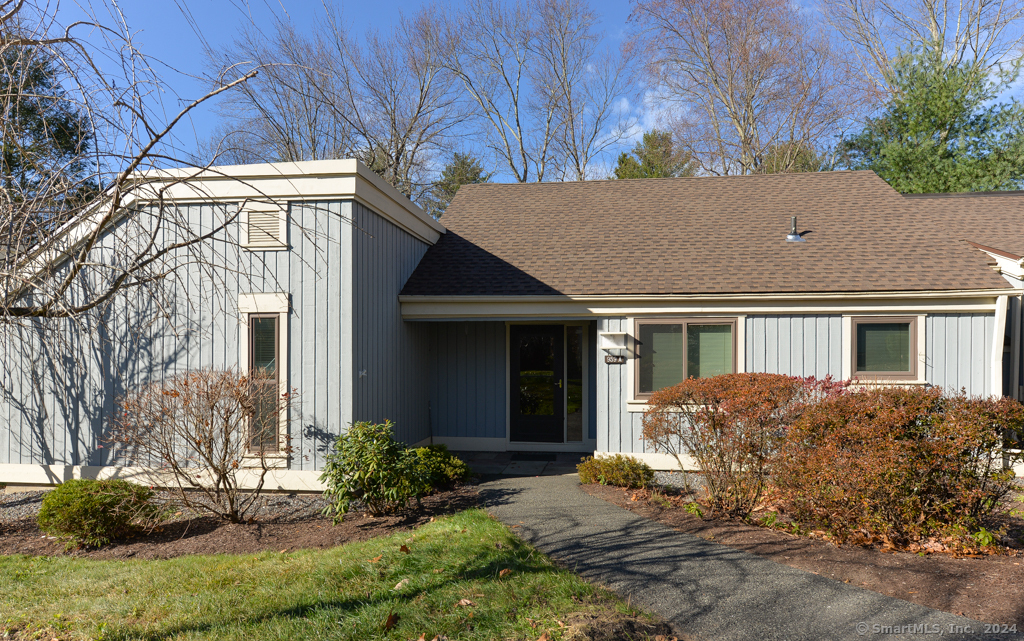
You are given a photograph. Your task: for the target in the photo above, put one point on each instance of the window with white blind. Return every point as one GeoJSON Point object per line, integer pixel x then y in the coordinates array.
{"type": "Point", "coordinates": [668, 351]}
{"type": "Point", "coordinates": [885, 348]}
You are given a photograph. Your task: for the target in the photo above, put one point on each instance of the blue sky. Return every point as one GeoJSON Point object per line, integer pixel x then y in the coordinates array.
{"type": "Point", "coordinates": [172, 32]}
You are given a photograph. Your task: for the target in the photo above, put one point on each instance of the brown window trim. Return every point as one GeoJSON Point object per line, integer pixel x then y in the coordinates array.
{"type": "Point", "coordinates": [277, 376]}
{"type": "Point", "coordinates": [884, 376]}
{"type": "Point", "coordinates": [684, 321]}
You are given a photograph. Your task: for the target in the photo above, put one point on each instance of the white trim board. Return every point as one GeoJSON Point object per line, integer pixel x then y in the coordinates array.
{"type": "Point", "coordinates": [658, 461]}
{"type": "Point", "coordinates": [277, 480]}
{"type": "Point", "coordinates": [541, 308]}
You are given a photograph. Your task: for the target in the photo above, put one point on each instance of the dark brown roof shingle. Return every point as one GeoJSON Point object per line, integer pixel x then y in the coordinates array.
{"type": "Point", "coordinates": [694, 236]}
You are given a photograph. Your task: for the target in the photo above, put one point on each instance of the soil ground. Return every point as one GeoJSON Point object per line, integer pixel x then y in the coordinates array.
{"type": "Point", "coordinates": [986, 589]}
{"type": "Point", "coordinates": [272, 531]}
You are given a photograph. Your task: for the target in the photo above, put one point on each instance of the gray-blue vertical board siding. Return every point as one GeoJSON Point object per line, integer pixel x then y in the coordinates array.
{"type": "Point", "coordinates": [795, 345]}
{"type": "Point", "coordinates": [55, 407]}
{"type": "Point", "coordinates": [958, 351]}
{"type": "Point", "coordinates": [386, 350]}
{"type": "Point", "coordinates": [466, 374]}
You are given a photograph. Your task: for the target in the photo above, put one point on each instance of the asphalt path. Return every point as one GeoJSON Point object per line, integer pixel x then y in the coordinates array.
{"type": "Point", "coordinates": [705, 590]}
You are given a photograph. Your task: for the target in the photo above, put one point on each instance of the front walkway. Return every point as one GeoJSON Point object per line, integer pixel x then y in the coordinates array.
{"type": "Point", "coordinates": [521, 463]}
{"type": "Point", "coordinates": [705, 590]}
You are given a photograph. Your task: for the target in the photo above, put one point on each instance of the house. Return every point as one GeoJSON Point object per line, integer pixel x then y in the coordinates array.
{"type": "Point", "coordinates": [538, 317]}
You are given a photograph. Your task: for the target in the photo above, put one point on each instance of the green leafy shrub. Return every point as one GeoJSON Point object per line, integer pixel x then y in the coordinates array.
{"type": "Point", "coordinates": [369, 465]}
{"type": "Point", "coordinates": [619, 470]}
{"type": "Point", "coordinates": [732, 425]}
{"type": "Point", "coordinates": [894, 464]}
{"type": "Point", "coordinates": [88, 512]}
{"type": "Point", "coordinates": [440, 468]}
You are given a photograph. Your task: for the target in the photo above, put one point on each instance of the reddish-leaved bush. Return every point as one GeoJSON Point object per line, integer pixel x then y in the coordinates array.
{"type": "Point", "coordinates": [731, 425]}
{"type": "Point", "coordinates": [895, 463]}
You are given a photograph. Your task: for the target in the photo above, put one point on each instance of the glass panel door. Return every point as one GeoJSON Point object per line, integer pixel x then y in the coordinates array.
{"type": "Point", "coordinates": [537, 381]}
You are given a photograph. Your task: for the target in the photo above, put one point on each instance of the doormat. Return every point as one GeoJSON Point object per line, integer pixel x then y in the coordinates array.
{"type": "Point", "coordinates": [534, 456]}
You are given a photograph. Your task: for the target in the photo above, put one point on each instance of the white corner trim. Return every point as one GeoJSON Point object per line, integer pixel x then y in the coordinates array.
{"type": "Point", "coordinates": [741, 344]}
{"type": "Point", "coordinates": [258, 303]}
{"type": "Point", "coordinates": [999, 336]}
{"type": "Point", "coordinates": [846, 338]}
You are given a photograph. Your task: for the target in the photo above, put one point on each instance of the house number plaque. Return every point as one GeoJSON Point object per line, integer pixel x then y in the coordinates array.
{"type": "Point", "coordinates": [615, 360]}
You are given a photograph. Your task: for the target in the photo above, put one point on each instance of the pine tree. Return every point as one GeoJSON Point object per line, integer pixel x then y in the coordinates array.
{"type": "Point", "coordinates": [464, 169]}
{"type": "Point", "coordinates": [941, 132]}
{"type": "Point", "coordinates": [655, 156]}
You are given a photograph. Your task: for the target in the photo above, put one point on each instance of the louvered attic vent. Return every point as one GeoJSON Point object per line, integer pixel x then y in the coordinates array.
{"type": "Point", "coordinates": [264, 224]}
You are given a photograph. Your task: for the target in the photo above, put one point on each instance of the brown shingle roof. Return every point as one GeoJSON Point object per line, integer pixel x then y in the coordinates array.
{"type": "Point", "coordinates": [994, 219]}
{"type": "Point", "coordinates": [694, 236]}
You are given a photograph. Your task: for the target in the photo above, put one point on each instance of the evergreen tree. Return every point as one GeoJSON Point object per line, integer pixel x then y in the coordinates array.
{"type": "Point", "coordinates": [655, 156]}
{"type": "Point", "coordinates": [941, 132]}
{"type": "Point", "coordinates": [46, 139]}
{"type": "Point", "coordinates": [463, 169]}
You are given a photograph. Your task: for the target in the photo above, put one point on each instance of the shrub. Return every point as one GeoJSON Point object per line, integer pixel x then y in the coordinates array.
{"type": "Point", "coordinates": [197, 433]}
{"type": "Point", "coordinates": [369, 465]}
{"type": "Point", "coordinates": [897, 463]}
{"type": "Point", "coordinates": [439, 467]}
{"type": "Point", "coordinates": [732, 425]}
{"type": "Point", "coordinates": [623, 471]}
{"type": "Point", "coordinates": [88, 512]}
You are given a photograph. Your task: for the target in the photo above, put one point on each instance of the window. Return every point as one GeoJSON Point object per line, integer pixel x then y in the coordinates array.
{"type": "Point", "coordinates": [669, 351]}
{"type": "Point", "coordinates": [263, 358]}
{"type": "Point", "coordinates": [885, 348]}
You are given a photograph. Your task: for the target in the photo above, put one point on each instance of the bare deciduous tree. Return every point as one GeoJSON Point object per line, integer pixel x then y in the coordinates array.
{"type": "Point", "coordinates": [327, 95]}
{"type": "Point", "coordinates": [746, 77]}
{"type": "Point", "coordinates": [52, 264]}
{"type": "Point", "coordinates": [586, 84]}
{"type": "Point", "coordinates": [543, 91]}
{"type": "Point", "coordinates": [985, 34]}
{"type": "Point", "coordinates": [200, 434]}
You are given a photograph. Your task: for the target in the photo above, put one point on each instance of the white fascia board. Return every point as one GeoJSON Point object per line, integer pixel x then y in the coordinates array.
{"type": "Point", "coordinates": [1010, 269]}
{"type": "Point", "coordinates": [541, 307]}
{"type": "Point", "coordinates": [299, 181]}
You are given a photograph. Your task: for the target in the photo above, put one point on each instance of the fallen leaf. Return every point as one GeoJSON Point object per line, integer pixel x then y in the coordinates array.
{"type": "Point", "coordinates": [284, 550]}
{"type": "Point", "coordinates": [505, 572]}
{"type": "Point", "coordinates": [498, 545]}
{"type": "Point", "coordinates": [375, 559]}
{"type": "Point", "coordinates": [560, 624]}
{"type": "Point", "coordinates": [404, 549]}
{"type": "Point", "coordinates": [177, 514]}
{"type": "Point", "coordinates": [514, 526]}
{"type": "Point", "coordinates": [544, 637]}
{"type": "Point", "coordinates": [438, 570]}
{"type": "Point", "coordinates": [423, 637]}
{"type": "Point", "coordinates": [391, 621]}
{"type": "Point", "coordinates": [465, 603]}
{"type": "Point", "coordinates": [409, 540]}
{"type": "Point", "coordinates": [401, 584]}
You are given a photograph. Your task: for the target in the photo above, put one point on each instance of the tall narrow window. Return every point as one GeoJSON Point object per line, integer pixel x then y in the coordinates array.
{"type": "Point", "coordinates": [263, 350]}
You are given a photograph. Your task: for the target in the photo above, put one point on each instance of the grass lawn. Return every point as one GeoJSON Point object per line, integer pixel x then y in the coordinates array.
{"type": "Point", "coordinates": [343, 593]}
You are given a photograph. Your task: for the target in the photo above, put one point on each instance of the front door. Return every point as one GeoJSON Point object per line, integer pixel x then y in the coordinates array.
{"type": "Point", "coordinates": [537, 387]}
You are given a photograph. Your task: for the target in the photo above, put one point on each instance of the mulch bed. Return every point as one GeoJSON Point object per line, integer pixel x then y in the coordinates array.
{"type": "Point", "coordinates": [278, 527]}
{"type": "Point", "coordinates": [986, 589]}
